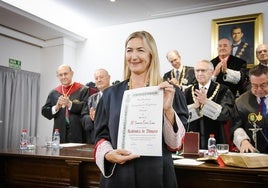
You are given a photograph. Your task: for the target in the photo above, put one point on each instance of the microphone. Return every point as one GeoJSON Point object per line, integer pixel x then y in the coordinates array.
{"type": "Point", "coordinates": [188, 121]}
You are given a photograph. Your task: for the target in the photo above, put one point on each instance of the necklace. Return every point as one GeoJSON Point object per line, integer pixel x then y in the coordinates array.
{"type": "Point", "coordinates": [182, 75]}
{"type": "Point", "coordinates": [67, 93]}
{"type": "Point", "coordinates": [130, 84]}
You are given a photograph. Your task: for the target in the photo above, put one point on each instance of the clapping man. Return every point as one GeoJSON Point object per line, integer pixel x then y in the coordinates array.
{"type": "Point", "coordinates": [180, 75]}
{"type": "Point", "coordinates": [230, 70]}
{"type": "Point", "coordinates": [102, 81]}
{"type": "Point", "coordinates": [64, 105]}
{"type": "Point", "coordinates": [210, 104]}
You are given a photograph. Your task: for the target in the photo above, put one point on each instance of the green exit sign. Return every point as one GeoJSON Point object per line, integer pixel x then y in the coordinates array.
{"type": "Point", "coordinates": [15, 64]}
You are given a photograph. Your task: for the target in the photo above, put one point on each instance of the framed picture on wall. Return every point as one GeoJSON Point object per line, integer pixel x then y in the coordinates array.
{"type": "Point", "coordinates": [245, 32]}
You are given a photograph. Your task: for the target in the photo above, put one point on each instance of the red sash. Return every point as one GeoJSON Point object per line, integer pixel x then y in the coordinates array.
{"type": "Point", "coordinates": [73, 88]}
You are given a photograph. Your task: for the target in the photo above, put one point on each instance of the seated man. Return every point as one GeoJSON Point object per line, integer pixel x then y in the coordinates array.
{"type": "Point", "coordinates": [210, 105]}
{"type": "Point", "coordinates": [180, 75]}
{"type": "Point", "coordinates": [251, 114]}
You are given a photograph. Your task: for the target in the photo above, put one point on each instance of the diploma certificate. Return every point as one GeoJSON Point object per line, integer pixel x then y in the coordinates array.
{"type": "Point", "coordinates": [140, 126]}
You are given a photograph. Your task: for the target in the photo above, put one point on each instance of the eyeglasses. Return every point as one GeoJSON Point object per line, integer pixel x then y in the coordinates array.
{"type": "Point", "coordinates": [260, 51]}
{"type": "Point", "coordinates": [262, 86]}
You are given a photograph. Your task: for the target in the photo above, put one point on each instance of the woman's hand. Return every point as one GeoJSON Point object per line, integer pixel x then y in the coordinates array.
{"type": "Point", "coordinates": [120, 156]}
{"type": "Point", "coordinates": [169, 92]}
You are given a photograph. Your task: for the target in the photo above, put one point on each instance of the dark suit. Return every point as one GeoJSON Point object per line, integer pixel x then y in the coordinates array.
{"type": "Point", "coordinates": [205, 125]}
{"type": "Point", "coordinates": [244, 51]}
{"type": "Point", "coordinates": [246, 104]}
{"type": "Point", "coordinates": [186, 77]}
{"type": "Point", "coordinates": [137, 172]}
{"type": "Point", "coordinates": [87, 122]}
{"type": "Point", "coordinates": [236, 64]}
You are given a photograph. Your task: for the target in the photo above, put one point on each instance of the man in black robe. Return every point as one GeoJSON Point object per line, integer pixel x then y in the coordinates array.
{"type": "Point", "coordinates": [210, 105]}
{"type": "Point", "coordinates": [230, 70]}
{"type": "Point", "coordinates": [180, 75]}
{"type": "Point", "coordinates": [64, 105]}
{"type": "Point", "coordinates": [102, 80]}
{"type": "Point", "coordinates": [251, 114]}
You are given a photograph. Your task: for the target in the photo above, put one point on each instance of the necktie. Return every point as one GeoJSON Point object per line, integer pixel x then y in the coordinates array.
{"type": "Point", "coordinates": [177, 74]}
{"type": "Point", "coordinates": [263, 106]}
{"type": "Point", "coordinates": [67, 116]}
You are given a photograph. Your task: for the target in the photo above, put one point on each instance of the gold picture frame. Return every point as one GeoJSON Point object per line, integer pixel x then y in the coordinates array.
{"type": "Point", "coordinates": [251, 26]}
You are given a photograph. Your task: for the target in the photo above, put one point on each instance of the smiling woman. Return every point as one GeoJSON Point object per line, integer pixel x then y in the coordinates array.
{"type": "Point", "coordinates": [123, 167]}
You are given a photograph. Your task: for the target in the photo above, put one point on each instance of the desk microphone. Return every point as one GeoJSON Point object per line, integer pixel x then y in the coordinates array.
{"type": "Point", "coordinates": [188, 121]}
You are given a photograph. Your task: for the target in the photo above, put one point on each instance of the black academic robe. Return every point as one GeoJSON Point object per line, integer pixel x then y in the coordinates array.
{"type": "Point", "coordinates": [245, 105]}
{"type": "Point", "coordinates": [205, 125]}
{"type": "Point", "coordinates": [87, 122]}
{"type": "Point", "coordinates": [73, 132]}
{"type": "Point", "coordinates": [186, 77]}
{"type": "Point", "coordinates": [142, 172]}
{"type": "Point", "coordinates": [237, 64]}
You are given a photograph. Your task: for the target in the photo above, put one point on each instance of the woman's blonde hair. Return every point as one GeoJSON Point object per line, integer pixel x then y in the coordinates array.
{"type": "Point", "coordinates": [153, 75]}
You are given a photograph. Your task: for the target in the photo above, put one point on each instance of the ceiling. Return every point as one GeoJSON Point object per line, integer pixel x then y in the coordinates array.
{"type": "Point", "coordinates": [105, 13]}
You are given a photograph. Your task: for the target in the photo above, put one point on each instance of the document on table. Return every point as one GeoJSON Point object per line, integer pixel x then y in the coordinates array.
{"type": "Point", "coordinates": [140, 126]}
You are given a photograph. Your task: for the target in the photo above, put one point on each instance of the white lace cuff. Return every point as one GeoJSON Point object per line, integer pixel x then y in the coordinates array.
{"type": "Point", "coordinates": [211, 109]}
{"type": "Point", "coordinates": [239, 136]}
{"type": "Point", "coordinates": [101, 150]}
{"type": "Point", "coordinates": [172, 139]}
{"type": "Point", "coordinates": [232, 76]}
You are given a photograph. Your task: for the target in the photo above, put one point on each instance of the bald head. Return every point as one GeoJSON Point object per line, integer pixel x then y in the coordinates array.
{"type": "Point", "coordinates": [65, 74]}
{"type": "Point", "coordinates": [174, 58]}
{"type": "Point", "coordinates": [102, 79]}
{"type": "Point", "coordinates": [262, 54]}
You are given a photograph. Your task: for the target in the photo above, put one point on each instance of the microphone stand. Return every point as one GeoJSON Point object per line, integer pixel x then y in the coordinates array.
{"type": "Point", "coordinates": [188, 121]}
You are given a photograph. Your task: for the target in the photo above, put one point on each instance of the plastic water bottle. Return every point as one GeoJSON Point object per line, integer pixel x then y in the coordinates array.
{"type": "Point", "coordinates": [23, 139]}
{"type": "Point", "coordinates": [212, 149]}
{"type": "Point", "coordinates": [56, 139]}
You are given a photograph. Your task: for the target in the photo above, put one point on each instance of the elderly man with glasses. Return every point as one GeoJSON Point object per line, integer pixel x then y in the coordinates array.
{"type": "Point", "coordinates": [262, 54]}
{"type": "Point", "coordinates": [250, 131]}
{"type": "Point", "coordinates": [210, 105]}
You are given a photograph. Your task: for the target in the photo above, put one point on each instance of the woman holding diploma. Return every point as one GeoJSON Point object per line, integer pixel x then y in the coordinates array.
{"type": "Point", "coordinates": [120, 167]}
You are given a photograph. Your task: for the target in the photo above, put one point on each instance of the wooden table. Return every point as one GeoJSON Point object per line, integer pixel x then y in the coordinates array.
{"type": "Point", "coordinates": [75, 167]}
{"type": "Point", "coordinates": [43, 167]}
{"type": "Point", "coordinates": [210, 175]}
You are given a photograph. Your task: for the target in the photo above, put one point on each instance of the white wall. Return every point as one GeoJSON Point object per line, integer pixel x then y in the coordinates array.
{"type": "Point", "coordinates": [28, 55]}
{"type": "Point", "coordinates": [190, 34]}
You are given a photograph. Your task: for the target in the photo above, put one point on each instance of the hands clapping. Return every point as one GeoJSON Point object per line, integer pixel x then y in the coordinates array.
{"type": "Point", "coordinates": [221, 67]}
{"type": "Point", "coordinates": [63, 101]}
{"type": "Point", "coordinates": [200, 97]}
